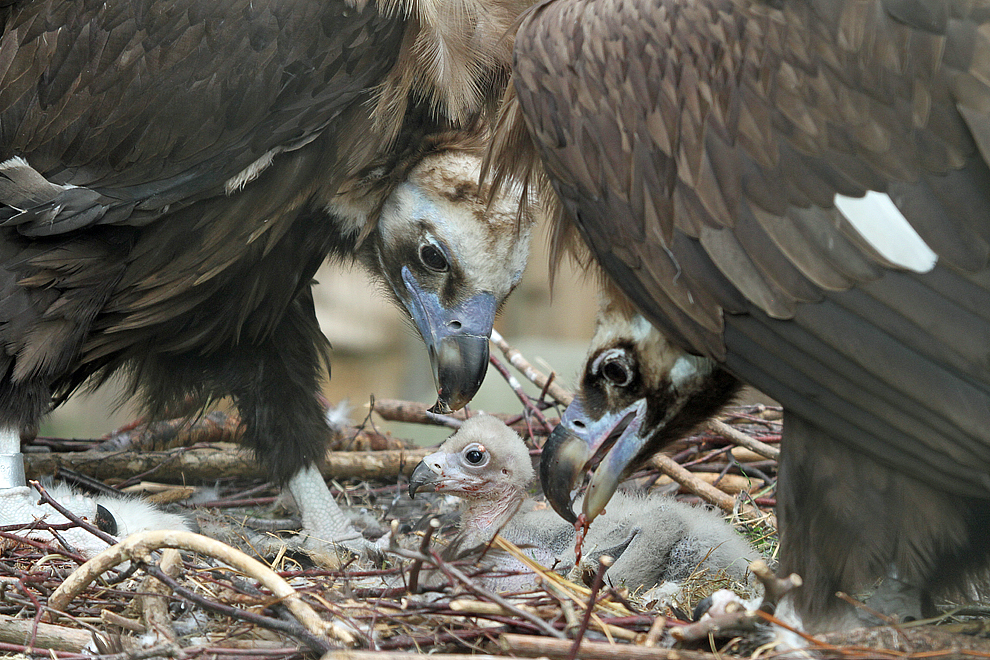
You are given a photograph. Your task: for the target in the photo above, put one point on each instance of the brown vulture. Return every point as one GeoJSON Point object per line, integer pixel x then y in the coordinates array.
{"type": "Point", "coordinates": [796, 191]}
{"type": "Point", "coordinates": [173, 172]}
{"type": "Point", "coordinates": [654, 540]}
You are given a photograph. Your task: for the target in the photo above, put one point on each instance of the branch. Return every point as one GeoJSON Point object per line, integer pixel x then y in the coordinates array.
{"type": "Point", "coordinates": [138, 547]}
{"type": "Point", "coordinates": [743, 439]}
{"type": "Point", "coordinates": [702, 489]}
{"type": "Point", "coordinates": [531, 373]}
{"type": "Point", "coordinates": [219, 461]}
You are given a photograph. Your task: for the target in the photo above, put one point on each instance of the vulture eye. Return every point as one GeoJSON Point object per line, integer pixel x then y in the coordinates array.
{"type": "Point", "coordinates": [433, 258]}
{"type": "Point", "coordinates": [617, 372]}
{"type": "Point", "coordinates": [475, 455]}
{"type": "Point", "coordinates": [615, 366]}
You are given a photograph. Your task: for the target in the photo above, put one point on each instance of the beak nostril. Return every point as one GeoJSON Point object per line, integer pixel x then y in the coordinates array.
{"type": "Point", "coordinates": [578, 423]}
{"type": "Point", "coordinates": [454, 325]}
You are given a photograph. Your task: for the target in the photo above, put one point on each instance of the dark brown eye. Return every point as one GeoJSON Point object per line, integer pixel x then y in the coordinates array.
{"type": "Point", "coordinates": [475, 455]}
{"type": "Point", "coordinates": [433, 258]}
{"type": "Point", "coordinates": [617, 372]}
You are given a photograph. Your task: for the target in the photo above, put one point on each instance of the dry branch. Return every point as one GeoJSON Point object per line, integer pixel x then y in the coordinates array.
{"type": "Point", "coordinates": [412, 412]}
{"type": "Point", "coordinates": [742, 439]}
{"type": "Point", "coordinates": [153, 601]}
{"type": "Point", "coordinates": [701, 488]}
{"type": "Point", "coordinates": [531, 373]}
{"type": "Point", "coordinates": [730, 484]}
{"type": "Point", "coordinates": [197, 464]}
{"type": "Point", "coordinates": [49, 636]}
{"type": "Point", "coordinates": [138, 547]}
{"type": "Point", "coordinates": [402, 655]}
{"type": "Point", "coordinates": [532, 647]}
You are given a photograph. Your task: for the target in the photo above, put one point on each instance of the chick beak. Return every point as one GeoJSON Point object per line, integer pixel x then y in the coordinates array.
{"type": "Point", "coordinates": [425, 476]}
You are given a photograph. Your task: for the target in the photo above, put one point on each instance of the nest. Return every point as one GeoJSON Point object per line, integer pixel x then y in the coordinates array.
{"type": "Point", "coordinates": [184, 595]}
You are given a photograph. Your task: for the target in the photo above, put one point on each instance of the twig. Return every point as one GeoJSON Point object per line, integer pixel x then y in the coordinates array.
{"type": "Point", "coordinates": [452, 572]}
{"type": "Point", "coordinates": [47, 636]}
{"type": "Point", "coordinates": [153, 602]}
{"type": "Point", "coordinates": [424, 548]}
{"type": "Point", "coordinates": [603, 564]}
{"type": "Point", "coordinates": [743, 439]}
{"type": "Point", "coordinates": [531, 373]}
{"type": "Point", "coordinates": [532, 646]}
{"type": "Point", "coordinates": [218, 461]}
{"type": "Point", "coordinates": [89, 527]}
{"type": "Point", "coordinates": [521, 395]}
{"type": "Point", "coordinates": [401, 655]}
{"type": "Point", "coordinates": [703, 490]}
{"type": "Point", "coordinates": [138, 547]}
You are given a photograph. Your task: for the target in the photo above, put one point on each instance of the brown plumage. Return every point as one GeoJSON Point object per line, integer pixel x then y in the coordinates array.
{"type": "Point", "coordinates": [715, 158]}
{"type": "Point", "coordinates": [173, 173]}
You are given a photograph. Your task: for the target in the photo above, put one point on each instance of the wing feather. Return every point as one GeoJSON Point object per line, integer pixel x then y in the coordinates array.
{"type": "Point", "coordinates": [704, 179]}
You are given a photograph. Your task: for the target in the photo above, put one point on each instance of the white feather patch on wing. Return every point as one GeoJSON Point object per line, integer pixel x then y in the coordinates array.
{"type": "Point", "coordinates": [251, 172]}
{"type": "Point", "coordinates": [883, 226]}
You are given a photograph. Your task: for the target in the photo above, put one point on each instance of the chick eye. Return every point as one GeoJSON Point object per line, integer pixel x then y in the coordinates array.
{"type": "Point", "coordinates": [433, 258]}
{"type": "Point", "coordinates": [475, 455]}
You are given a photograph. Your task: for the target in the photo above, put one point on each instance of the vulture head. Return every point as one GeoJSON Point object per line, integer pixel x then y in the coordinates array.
{"type": "Point", "coordinates": [450, 259]}
{"type": "Point", "coordinates": [638, 392]}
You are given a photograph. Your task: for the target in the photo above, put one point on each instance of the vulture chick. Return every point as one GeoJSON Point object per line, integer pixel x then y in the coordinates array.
{"type": "Point", "coordinates": [798, 192]}
{"type": "Point", "coordinates": [172, 174]}
{"type": "Point", "coordinates": [653, 539]}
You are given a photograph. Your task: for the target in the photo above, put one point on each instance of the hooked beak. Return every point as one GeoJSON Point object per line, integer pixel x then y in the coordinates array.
{"type": "Point", "coordinates": [616, 439]}
{"type": "Point", "coordinates": [426, 476]}
{"type": "Point", "coordinates": [457, 340]}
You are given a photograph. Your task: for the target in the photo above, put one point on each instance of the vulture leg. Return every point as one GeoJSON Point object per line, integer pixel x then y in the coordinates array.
{"type": "Point", "coordinates": [11, 459]}
{"type": "Point", "coordinates": [322, 519]}
{"type": "Point", "coordinates": [864, 520]}
{"type": "Point", "coordinates": [275, 385]}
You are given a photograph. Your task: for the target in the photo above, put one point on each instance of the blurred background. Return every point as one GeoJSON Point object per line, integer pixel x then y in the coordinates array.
{"type": "Point", "coordinates": [377, 352]}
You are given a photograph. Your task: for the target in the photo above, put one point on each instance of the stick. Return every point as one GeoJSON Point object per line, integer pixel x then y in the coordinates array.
{"type": "Point", "coordinates": [48, 636]}
{"type": "Point", "coordinates": [743, 439]}
{"type": "Point", "coordinates": [218, 461]}
{"type": "Point", "coordinates": [559, 649]}
{"type": "Point", "coordinates": [397, 410]}
{"type": "Point", "coordinates": [138, 547]}
{"type": "Point", "coordinates": [703, 490]}
{"type": "Point", "coordinates": [153, 601]}
{"type": "Point", "coordinates": [531, 373]}
{"type": "Point", "coordinates": [402, 655]}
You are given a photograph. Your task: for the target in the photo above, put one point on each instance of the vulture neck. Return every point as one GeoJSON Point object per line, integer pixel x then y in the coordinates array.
{"type": "Point", "coordinates": [486, 516]}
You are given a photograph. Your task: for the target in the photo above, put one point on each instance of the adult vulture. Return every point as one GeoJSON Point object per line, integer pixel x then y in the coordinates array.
{"type": "Point", "coordinates": [173, 172]}
{"type": "Point", "coordinates": [798, 191]}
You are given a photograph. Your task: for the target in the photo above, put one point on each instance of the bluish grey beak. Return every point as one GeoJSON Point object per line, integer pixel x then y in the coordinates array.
{"type": "Point", "coordinates": [457, 340]}
{"type": "Point", "coordinates": [579, 440]}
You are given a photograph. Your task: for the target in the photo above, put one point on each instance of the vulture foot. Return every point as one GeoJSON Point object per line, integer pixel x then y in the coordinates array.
{"type": "Point", "coordinates": [325, 528]}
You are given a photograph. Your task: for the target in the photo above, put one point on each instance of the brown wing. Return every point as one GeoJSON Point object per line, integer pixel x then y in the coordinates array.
{"type": "Point", "coordinates": [148, 104]}
{"type": "Point", "coordinates": [199, 130]}
{"type": "Point", "coordinates": [699, 145]}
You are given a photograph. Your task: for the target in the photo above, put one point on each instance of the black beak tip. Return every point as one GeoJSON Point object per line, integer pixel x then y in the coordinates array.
{"type": "Point", "coordinates": [462, 363]}
{"type": "Point", "coordinates": [559, 470]}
